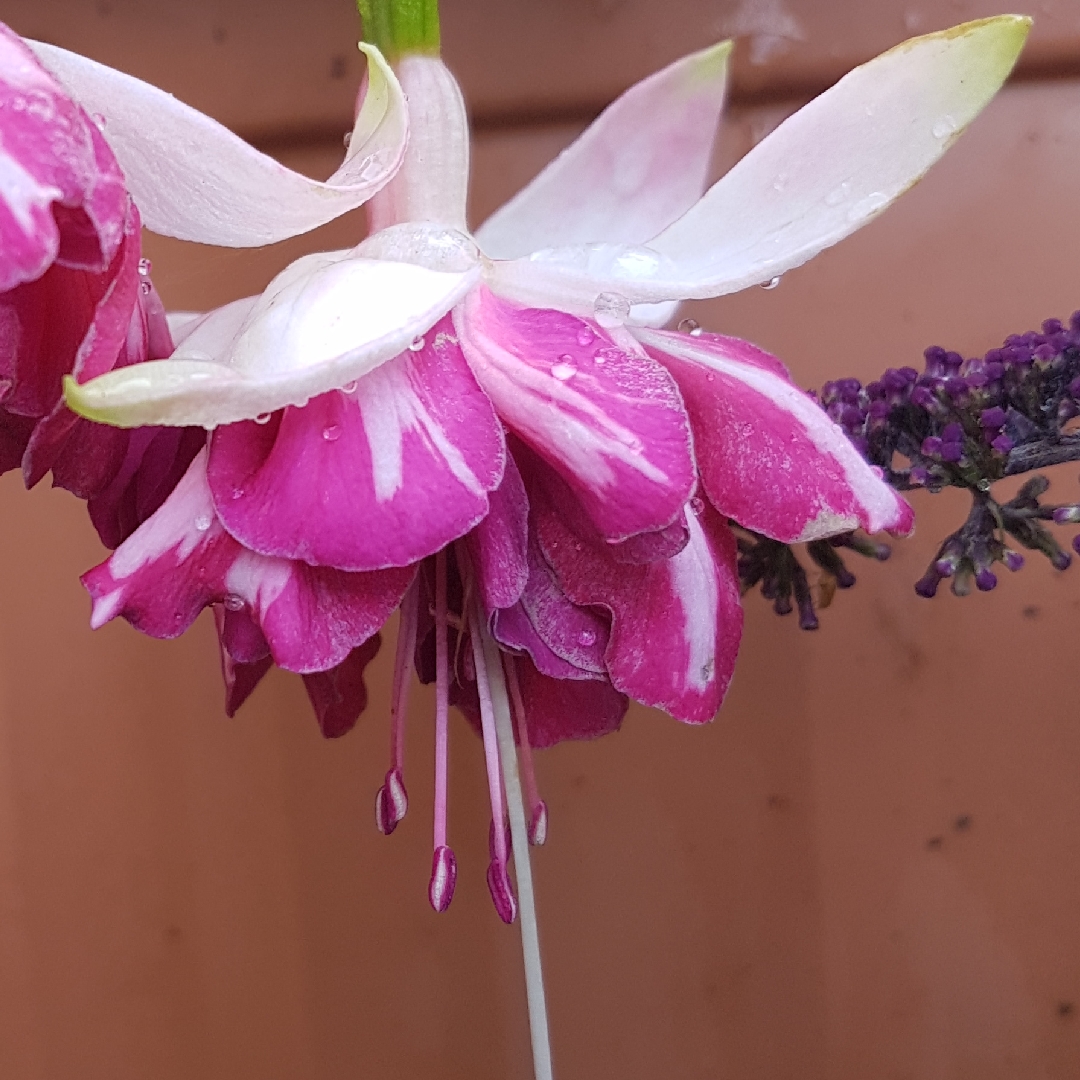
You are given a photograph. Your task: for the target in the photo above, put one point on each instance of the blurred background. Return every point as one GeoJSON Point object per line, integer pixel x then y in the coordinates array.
{"type": "Point", "coordinates": [867, 867]}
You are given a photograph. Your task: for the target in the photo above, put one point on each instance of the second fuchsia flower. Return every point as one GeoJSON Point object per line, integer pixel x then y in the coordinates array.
{"type": "Point", "coordinates": [489, 432]}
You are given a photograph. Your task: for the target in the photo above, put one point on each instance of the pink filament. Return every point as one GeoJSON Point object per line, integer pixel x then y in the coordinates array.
{"type": "Point", "coordinates": [392, 800]}
{"type": "Point", "coordinates": [406, 647]}
{"type": "Point", "coordinates": [442, 699]}
{"type": "Point", "coordinates": [537, 806]}
{"type": "Point", "coordinates": [498, 883]}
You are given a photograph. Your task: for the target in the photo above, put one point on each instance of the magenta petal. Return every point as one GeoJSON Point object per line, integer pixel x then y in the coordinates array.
{"type": "Point", "coordinates": [575, 634]}
{"type": "Point", "coordinates": [513, 628]}
{"type": "Point", "coordinates": [610, 422]}
{"type": "Point", "coordinates": [181, 560]}
{"type": "Point", "coordinates": [498, 545]}
{"type": "Point", "coordinates": [155, 460]}
{"type": "Point", "coordinates": [770, 458]}
{"type": "Point", "coordinates": [116, 326]}
{"type": "Point", "coordinates": [62, 197]}
{"type": "Point", "coordinates": [676, 623]}
{"type": "Point", "coordinates": [381, 476]}
{"type": "Point", "coordinates": [558, 709]}
{"type": "Point", "coordinates": [245, 656]}
{"type": "Point", "coordinates": [339, 695]}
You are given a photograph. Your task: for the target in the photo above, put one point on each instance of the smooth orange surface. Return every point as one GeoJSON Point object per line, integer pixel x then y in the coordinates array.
{"type": "Point", "coordinates": [868, 867]}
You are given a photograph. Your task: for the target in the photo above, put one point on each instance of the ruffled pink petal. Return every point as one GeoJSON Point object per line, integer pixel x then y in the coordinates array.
{"type": "Point", "coordinates": [675, 624]}
{"type": "Point", "coordinates": [555, 709]}
{"type": "Point", "coordinates": [381, 476]}
{"type": "Point", "coordinates": [117, 334]}
{"type": "Point", "coordinates": [154, 462]}
{"type": "Point", "coordinates": [62, 195]}
{"type": "Point", "coordinates": [769, 456]}
{"type": "Point", "coordinates": [182, 560]}
{"type": "Point", "coordinates": [245, 655]}
{"type": "Point", "coordinates": [610, 422]}
{"type": "Point", "coordinates": [339, 694]}
{"type": "Point", "coordinates": [194, 179]}
{"type": "Point", "coordinates": [498, 545]}
{"type": "Point", "coordinates": [558, 709]}
{"type": "Point", "coordinates": [640, 165]}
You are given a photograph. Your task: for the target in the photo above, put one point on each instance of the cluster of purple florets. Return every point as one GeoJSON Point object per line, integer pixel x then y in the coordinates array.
{"type": "Point", "coordinates": [959, 423]}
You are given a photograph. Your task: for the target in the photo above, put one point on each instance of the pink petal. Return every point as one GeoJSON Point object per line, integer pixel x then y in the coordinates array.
{"type": "Point", "coordinates": [769, 456]}
{"type": "Point", "coordinates": [675, 624]}
{"type": "Point", "coordinates": [498, 545]}
{"type": "Point", "coordinates": [381, 476]}
{"type": "Point", "coordinates": [154, 462]}
{"type": "Point", "coordinates": [181, 560]}
{"type": "Point", "coordinates": [558, 709]}
{"type": "Point", "coordinates": [555, 709]}
{"type": "Point", "coordinates": [610, 422]}
{"type": "Point", "coordinates": [196, 180]}
{"type": "Point", "coordinates": [62, 194]}
{"type": "Point", "coordinates": [564, 640]}
{"type": "Point", "coordinates": [245, 656]}
{"type": "Point", "coordinates": [338, 695]}
{"type": "Point", "coordinates": [640, 165]}
{"type": "Point", "coordinates": [116, 322]}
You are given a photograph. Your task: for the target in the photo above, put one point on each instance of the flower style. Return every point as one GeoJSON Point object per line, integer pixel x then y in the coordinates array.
{"type": "Point", "coordinates": [491, 432]}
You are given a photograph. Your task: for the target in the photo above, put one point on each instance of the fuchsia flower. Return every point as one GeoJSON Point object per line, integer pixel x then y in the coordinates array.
{"type": "Point", "coordinates": [490, 432]}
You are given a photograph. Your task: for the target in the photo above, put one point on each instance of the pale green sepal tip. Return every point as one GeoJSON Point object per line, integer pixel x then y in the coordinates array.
{"type": "Point", "coordinates": [401, 27]}
{"type": "Point", "coordinates": [1002, 38]}
{"type": "Point", "coordinates": [76, 399]}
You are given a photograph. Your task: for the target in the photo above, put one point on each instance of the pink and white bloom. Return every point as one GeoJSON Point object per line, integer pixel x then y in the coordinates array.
{"type": "Point", "coordinates": [489, 430]}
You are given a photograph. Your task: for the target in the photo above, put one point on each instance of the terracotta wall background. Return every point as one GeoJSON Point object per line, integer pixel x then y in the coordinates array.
{"type": "Point", "coordinates": [867, 867]}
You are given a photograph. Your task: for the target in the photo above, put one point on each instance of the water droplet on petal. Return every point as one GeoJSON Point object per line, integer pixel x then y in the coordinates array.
{"type": "Point", "coordinates": [687, 326]}
{"type": "Point", "coordinates": [585, 335]}
{"type": "Point", "coordinates": [696, 332]}
{"type": "Point", "coordinates": [234, 602]}
{"type": "Point", "coordinates": [203, 522]}
{"type": "Point", "coordinates": [263, 418]}
{"type": "Point", "coordinates": [347, 139]}
{"type": "Point", "coordinates": [697, 505]}
{"type": "Point", "coordinates": [943, 127]}
{"type": "Point", "coordinates": [99, 121]}
{"type": "Point", "coordinates": [349, 387]}
{"type": "Point", "coordinates": [587, 637]}
{"type": "Point", "coordinates": [144, 267]}
{"type": "Point", "coordinates": [331, 433]}
{"type": "Point", "coordinates": [145, 287]}
{"type": "Point", "coordinates": [771, 283]}
{"type": "Point", "coordinates": [237, 493]}
{"type": "Point", "coordinates": [710, 377]}
{"type": "Point", "coordinates": [611, 310]}
{"type": "Point", "coordinates": [564, 369]}
{"type": "Point", "coordinates": [416, 344]}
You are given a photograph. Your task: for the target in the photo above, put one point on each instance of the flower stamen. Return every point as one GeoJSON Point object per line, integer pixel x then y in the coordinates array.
{"type": "Point", "coordinates": [538, 811]}
{"type": "Point", "coordinates": [443, 863]}
{"type": "Point", "coordinates": [502, 893]}
{"type": "Point", "coordinates": [392, 800]}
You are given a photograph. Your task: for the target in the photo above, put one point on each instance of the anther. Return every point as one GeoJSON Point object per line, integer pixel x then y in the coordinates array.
{"type": "Point", "coordinates": [443, 878]}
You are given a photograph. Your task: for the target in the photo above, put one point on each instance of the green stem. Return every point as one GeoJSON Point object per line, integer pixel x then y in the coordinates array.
{"type": "Point", "coordinates": [400, 27]}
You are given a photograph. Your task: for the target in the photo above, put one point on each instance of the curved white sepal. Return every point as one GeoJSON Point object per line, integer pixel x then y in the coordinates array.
{"type": "Point", "coordinates": [822, 174]}
{"type": "Point", "coordinates": [324, 322]}
{"type": "Point", "coordinates": [640, 165]}
{"type": "Point", "coordinates": [194, 179]}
